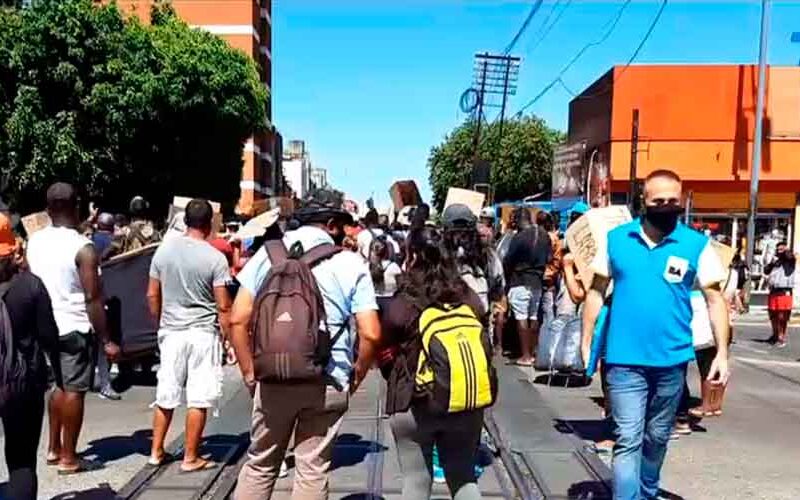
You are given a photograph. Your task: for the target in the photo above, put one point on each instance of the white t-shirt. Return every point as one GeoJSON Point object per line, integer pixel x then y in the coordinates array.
{"type": "Point", "coordinates": [364, 241]}
{"type": "Point", "coordinates": [52, 254]}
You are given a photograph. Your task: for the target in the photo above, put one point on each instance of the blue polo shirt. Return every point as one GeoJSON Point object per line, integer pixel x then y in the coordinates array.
{"type": "Point", "coordinates": [651, 309]}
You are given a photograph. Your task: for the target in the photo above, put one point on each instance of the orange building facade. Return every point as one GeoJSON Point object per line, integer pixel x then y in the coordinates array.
{"type": "Point", "coordinates": [698, 120]}
{"type": "Point", "coordinates": [246, 25]}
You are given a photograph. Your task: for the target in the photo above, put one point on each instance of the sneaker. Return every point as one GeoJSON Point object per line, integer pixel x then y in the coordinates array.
{"type": "Point", "coordinates": [683, 428]}
{"type": "Point", "coordinates": [438, 474]}
{"type": "Point", "coordinates": [108, 393]}
{"type": "Point", "coordinates": [284, 470]}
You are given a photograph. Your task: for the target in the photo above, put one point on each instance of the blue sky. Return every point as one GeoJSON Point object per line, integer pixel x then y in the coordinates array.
{"type": "Point", "coordinates": [372, 85]}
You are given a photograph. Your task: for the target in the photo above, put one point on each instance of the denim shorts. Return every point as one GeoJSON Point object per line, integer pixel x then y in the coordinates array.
{"type": "Point", "coordinates": [525, 302]}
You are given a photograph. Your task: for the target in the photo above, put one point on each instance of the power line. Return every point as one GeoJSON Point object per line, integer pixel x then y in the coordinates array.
{"type": "Point", "coordinates": [580, 53]}
{"type": "Point", "coordinates": [633, 57]}
{"type": "Point", "coordinates": [525, 24]}
{"type": "Point", "coordinates": [543, 34]}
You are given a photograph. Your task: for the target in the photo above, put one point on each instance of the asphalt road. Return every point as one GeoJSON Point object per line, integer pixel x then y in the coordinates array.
{"type": "Point", "coordinates": [751, 452]}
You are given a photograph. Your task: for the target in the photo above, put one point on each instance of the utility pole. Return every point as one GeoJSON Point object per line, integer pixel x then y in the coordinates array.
{"type": "Point", "coordinates": [479, 113]}
{"type": "Point", "coordinates": [494, 75]}
{"type": "Point", "coordinates": [634, 187]}
{"type": "Point", "coordinates": [758, 134]}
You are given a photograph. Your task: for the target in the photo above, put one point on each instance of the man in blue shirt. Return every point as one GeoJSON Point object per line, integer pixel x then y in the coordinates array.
{"type": "Point", "coordinates": [654, 262]}
{"type": "Point", "coordinates": [312, 411]}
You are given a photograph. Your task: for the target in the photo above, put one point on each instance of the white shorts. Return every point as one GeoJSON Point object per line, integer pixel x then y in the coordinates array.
{"type": "Point", "coordinates": [190, 360]}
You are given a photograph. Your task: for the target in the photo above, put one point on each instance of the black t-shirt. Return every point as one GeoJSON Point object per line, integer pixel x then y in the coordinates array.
{"type": "Point", "coordinates": [528, 254]}
{"type": "Point", "coordinates": [35, 330]}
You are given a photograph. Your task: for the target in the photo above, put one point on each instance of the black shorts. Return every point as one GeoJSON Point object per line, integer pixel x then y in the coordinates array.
{"type": "Point", "coordinates": [78, 355]}
{"type": "Point", "coordinates": [704, 359]}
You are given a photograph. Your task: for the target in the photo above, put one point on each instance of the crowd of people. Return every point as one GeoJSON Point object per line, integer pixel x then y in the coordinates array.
{"type": "Point", "coordinates": [310, 306]}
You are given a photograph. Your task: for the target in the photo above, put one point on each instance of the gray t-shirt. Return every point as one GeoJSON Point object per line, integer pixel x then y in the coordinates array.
{"type": "Point", "coordinates": [188, 270]}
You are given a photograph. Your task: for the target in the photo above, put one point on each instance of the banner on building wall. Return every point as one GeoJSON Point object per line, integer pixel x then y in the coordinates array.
{"type": "Point", "coordinates": [599, 181]}
{"type": "Point", "coordinates": [568, 175]}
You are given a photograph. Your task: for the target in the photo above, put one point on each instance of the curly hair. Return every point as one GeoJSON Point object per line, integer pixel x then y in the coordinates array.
{"type": "Point", "coordinates": [378, 252]}
{"type": "Point", "coordinates": [432, 276]}
{"type": "Point", "coordinates": [475, 253]}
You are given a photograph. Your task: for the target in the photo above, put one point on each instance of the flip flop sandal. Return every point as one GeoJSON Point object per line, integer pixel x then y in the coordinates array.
{"type": "Point", "coordinates": [155, 464]}
{"type": "Point", "coordinates": [52, 461]}
{"type": "Point", "coordinates": [694, 412]}
{"type": "Point", "coordinates": [524, 365]}
{"type": "Point", "coordinates": [204, 467]}
{"type": "Point", "coordinates": [83, 466]}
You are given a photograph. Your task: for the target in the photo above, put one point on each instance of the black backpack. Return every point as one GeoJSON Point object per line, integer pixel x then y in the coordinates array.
{"type": "Point", "coordinates": [13, 366]}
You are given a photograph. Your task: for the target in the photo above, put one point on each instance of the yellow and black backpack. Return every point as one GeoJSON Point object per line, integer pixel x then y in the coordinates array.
{"type": "Point", "coordinates": [455, 369]}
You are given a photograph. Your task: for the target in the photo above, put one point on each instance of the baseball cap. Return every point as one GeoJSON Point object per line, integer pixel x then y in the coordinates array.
{"type": "Point", "coordinates": [105, 221]}
{"type": "Point", "coordinates": [458, 215]}
{"type": "Point", "coordinates": [487, 213]}
{"type": "Point", "coordinates": [8, 241]}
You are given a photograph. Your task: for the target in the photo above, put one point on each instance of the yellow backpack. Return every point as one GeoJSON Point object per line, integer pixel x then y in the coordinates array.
{"type": "Point", "coordinates": [455, 369]}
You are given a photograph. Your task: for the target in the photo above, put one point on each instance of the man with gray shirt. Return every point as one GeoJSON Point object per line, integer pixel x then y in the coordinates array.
{"type": "Point", "coordinates": [187, 295]}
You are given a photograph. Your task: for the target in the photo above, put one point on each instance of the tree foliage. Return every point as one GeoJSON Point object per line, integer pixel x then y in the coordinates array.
{"type": "Point", "coordinates": [521, 159]}
{"type": "Point", "coordinates": [118, 107]}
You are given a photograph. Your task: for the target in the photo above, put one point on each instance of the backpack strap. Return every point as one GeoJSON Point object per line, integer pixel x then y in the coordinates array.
{"type": "Point", "coordinates": [319, 253]}
{"type": "Point", "coordinates": [276, 251]}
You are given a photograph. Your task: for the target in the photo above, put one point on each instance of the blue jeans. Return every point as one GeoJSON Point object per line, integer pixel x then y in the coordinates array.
{"type": "Point", "coordinates": [644, 401]}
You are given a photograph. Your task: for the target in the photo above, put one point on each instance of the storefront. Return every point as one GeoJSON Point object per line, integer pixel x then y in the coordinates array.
{"type": "Point", "coordinates": [698, 121]}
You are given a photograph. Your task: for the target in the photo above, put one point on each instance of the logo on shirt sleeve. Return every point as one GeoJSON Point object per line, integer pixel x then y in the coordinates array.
{"type": "Point", "coordinates": [676, 269]}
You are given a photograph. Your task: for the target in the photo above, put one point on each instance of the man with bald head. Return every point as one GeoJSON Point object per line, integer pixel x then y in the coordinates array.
{"type": "Point", "coordinates": [654, 262]}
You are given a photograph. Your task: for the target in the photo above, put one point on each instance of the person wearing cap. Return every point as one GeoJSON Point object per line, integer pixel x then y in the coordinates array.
{"type": "Point", "coordinates": [313, 411]}
{"type": "Point", "coordinates": [528, 254]}
{"type": "Point", "coordinates": [139, 233]}
{"type": "Point", "coordinates": [68, 265]}
{"type": "Point", "coordinates": [34, 334]}
{"type": "Point", "coordinates": [486, 225]}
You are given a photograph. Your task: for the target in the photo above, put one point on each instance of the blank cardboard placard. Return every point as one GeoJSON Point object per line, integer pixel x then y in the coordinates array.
{"type": "Point", "coordinates": [472, 199]}
{"type": "Point", "coordinates": [179, 205]}
{"type": "Point", "coordinates": [588, 236]}
{"type": "Point", "coordinates": [34, 222]}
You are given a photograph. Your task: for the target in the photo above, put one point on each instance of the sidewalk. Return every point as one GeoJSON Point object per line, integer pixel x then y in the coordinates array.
{"type": "Point", "coordinates": [116, 434]}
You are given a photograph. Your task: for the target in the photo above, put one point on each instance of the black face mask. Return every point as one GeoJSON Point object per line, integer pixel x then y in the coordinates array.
{"type": "Point", "coordinates": [663, 217]}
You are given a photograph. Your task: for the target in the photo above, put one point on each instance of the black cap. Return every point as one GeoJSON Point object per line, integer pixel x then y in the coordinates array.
{"type": "Point", "coordinates": [458, 215]}
{"type": "Point", "coordinates": [61, 195]}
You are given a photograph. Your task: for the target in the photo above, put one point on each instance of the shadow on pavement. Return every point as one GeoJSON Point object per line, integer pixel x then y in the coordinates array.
{"type": "Point", "coordinates": [362, 496]}
{"type": "Point", "coordinates": [588, 430]}
{"type": "Point", "coordinates": [99, 493]}
{"type": "Point", "coordinates": [352, 449]}
{"type": "Point", "coordinates": [668, 495]}
{"type": "Point", "coordinates": [596, 490]}
{"type": "Point", "coordinates": [113, 448]}
{"type": "Point", "coordinates": [563, 380]}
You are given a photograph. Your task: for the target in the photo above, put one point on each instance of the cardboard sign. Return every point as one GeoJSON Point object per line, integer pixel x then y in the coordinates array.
{"type": "Point", "coordinates": [724, 252]}
{"type": "Point", "coordinates": [472, 199]}
{"type": "Point", "coordinates": [404, 193]}
{"type": "Point", "coordinates": [179, 205]}
{"type": "Point", "coordinates": [507, 210]}
{"type": "Point", "coordinates": [589, 235]}
{"type": "Point", "coordinates": [35, 222]}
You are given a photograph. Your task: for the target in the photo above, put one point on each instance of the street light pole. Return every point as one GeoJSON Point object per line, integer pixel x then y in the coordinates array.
{"type": "Point", "coordinates": [758, 134]}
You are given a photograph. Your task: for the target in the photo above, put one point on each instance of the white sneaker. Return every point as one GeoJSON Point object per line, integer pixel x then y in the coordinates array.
{"type": "Point", "coordinates": [284, 470]}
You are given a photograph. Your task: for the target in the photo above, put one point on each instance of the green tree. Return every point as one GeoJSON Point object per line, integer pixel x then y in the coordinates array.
{"type": "Point", "coordinates": [120, 108]}
{"type": "Point", "coordinates": [521, 160]}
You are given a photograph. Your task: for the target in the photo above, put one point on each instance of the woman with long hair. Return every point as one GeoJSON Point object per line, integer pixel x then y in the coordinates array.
{"type": "Point", "coordinates": [431, 280]}
{"type": "Point", "coordinates": [34, 333]}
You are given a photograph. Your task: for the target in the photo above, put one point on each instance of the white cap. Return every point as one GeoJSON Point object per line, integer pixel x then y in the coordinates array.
{"type": "Point", "coordinates": [488, 212]}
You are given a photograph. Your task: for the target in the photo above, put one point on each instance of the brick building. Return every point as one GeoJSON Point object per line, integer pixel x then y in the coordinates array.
{"type": "Point", "coordinates": [245, 25]}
